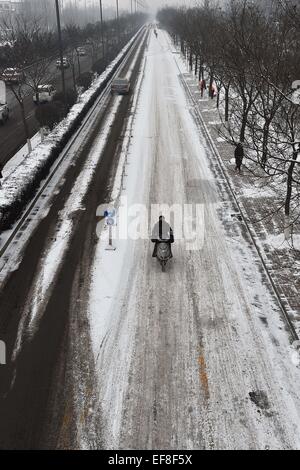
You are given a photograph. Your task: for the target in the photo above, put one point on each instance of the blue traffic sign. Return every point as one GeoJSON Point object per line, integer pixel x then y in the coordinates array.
{"type": "Point", "coordinates": [110, 215]}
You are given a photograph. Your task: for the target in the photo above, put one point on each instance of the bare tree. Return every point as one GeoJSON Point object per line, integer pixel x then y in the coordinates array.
{"type": "Point", "coordinates": [30, 56]}
{"type": "Point", "coordinates": [253, 54]}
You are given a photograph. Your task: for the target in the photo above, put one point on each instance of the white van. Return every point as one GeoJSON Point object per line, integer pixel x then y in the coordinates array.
{"type": "Point", "coordinates": [4, 113]}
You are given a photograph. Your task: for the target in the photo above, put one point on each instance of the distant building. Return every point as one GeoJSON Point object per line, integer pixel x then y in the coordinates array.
{"type": "Point", "coordinates": [10, 7]}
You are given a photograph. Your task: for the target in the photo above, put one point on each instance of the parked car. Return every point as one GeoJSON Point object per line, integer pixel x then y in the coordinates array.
{"type": "Point", "coordinates": [121, 86]}
{"type": "Point", "coordinates": [4, 113]}
{"type": "Point", "coordinates": [81, 51]}
{"type": "Point", "coordinates": [12, 75]}
{"type": "Point", "coordinates": [65, 63]}
{"type": "Point", "coordinates": [45, 94]}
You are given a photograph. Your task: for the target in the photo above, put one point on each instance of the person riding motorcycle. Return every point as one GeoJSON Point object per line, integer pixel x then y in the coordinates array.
{"type": "Point", "coordinates": [162, 232]}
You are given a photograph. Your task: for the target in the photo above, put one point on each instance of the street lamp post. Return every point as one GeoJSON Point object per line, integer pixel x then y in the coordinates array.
{"type": "Point", "coordinates": [118, 24]}
{"type": "Point", "coordinates": [61, 53]}
{"type": "Point", "coordinates": [102, 30]}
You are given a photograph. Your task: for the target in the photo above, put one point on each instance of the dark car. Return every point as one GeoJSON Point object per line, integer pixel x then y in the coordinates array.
{"type": "Point", "coordinates": [121, 86]}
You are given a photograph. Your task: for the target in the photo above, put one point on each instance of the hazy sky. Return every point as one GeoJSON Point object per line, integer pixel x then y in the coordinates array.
{"type": "Point", "coordinates": [152, 3]}
{"type": "Point", "coordinates": [126, 4]}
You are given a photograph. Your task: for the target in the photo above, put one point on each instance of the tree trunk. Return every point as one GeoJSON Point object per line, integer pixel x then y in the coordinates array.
{"type": "Point", "coordinates": [218, 97]}
{"type": "Point", "coordinates": [211, 81]}
{"type": "Point", "coordinates": [196, 65]}
{"type": "Point", "coordinates": [227, 103]}
{"type": "Point", "coordinates": [290, 184]}
{"type": "Point", "coordinates": [182, 47]}
{"type": "Point", "coordinates": [287, 222]}
{"type": "Point", "coordinates": [265, 143]}
{"type": "Point", "coordinates": [25, 126]}
{"type": "Point", "coordinates": [243, 129]}
{"type": "Point", "coordinates": [244, 121]}
{"type": "Point", "coordinates": [78, 63]}
{"type": "Point", "coordinates": [201, 74]}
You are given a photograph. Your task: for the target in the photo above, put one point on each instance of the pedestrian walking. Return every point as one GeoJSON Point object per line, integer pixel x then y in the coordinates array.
{"type": "Point", "coordinates": [202, 87]}
{"type": "Point", "coordinates": [239, 155]}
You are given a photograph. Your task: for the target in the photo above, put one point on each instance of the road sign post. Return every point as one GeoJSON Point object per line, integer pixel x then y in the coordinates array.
{"type": "Point", "coordinates": [110, 221]}
{"type": "Point", "coordinates": [110, 246]}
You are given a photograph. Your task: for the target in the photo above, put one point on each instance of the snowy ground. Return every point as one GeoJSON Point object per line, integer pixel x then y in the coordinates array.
{"type": "Point", "coordinates": [197, 357]}
{"type": "Point", "coordinates": [43, 272]}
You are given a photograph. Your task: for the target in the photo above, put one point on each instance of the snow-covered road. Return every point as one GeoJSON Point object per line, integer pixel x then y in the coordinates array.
{"type": "Point", "coordinates": [197, 357]}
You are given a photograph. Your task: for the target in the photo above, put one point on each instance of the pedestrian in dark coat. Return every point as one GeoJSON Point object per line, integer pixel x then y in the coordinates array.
{"type": "Point", "coordinates": [239, 155]}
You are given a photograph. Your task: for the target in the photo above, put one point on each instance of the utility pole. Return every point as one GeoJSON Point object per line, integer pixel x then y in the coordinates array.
{"type": "Point", "coordinates": [118, 24]}
{"type": "Point", "coordinates": [61, 52]}
{"type": "Point", "coordinates": [102, 30]}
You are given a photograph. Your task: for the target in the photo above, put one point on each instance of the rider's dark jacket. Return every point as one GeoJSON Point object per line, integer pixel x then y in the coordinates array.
{"type": "Point", "coordinates": [161, 231]}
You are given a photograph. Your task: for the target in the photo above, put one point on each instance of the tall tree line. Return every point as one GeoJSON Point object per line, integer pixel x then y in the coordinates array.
{"type": "Point", "coordinates": [251, 51]}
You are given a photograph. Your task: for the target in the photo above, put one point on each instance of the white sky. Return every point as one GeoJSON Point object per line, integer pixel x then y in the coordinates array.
{"type": "Point", "coordinates": [126, 4]}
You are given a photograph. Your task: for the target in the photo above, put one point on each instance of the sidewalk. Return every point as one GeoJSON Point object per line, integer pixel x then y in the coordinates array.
{"type": "Point", "coordinates": [257, 202]}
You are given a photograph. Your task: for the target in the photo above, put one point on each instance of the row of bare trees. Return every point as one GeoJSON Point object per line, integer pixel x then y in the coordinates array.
{"type": "Point", "coordinates": [252, 55]}
{"type": "Point", "coordinates": [32, 49]}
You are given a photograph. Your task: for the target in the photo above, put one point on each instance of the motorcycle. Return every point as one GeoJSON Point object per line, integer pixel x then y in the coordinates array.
{"type": "Point", "coordinates": [163, 254]}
